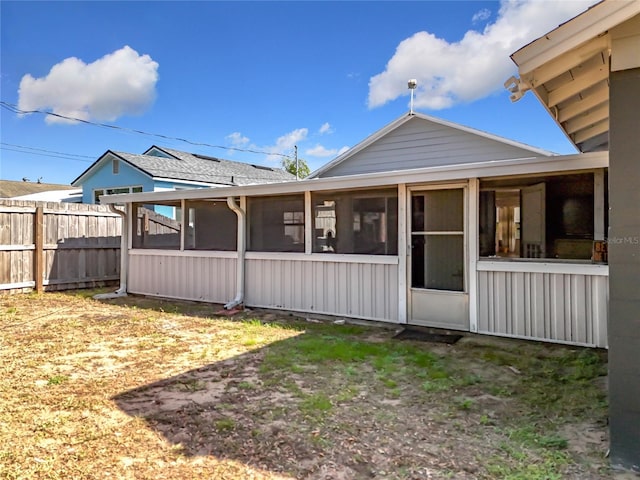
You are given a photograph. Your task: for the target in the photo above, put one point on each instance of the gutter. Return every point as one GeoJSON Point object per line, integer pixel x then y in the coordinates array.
{"type": "Point", "coordinates": [124, 258]}
{"type": "Point", "coordinates": [239, 299]}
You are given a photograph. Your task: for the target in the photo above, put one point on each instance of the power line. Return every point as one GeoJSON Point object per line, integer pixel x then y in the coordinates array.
{"type": "Point", "coordinates": [14, 108]}
{"type": "Point", "coordinates": [64, 156]}
{"type": "Point", "coordinates": [52, 153]}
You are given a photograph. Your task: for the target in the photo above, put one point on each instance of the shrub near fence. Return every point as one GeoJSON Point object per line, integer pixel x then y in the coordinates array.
{"type": "Point", "coordinates": [57, 246]}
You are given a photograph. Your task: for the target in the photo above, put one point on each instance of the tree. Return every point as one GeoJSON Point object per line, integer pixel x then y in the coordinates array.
{"type": "Point", "coordinates": [302, 169]}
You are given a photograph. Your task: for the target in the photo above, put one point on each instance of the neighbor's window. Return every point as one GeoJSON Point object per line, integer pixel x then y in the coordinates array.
{"type": "Point", "coordinates": [114, 191]}
{"type": "Point", "coordinates": [276, 224]}
{"type": "Point", "coordinates": [212, 225]}
{"type": "Point", "coordinates": [115, 164]}
{"type": "Point", "coordinates": [155, 227]}
{"type": "Point", "coordinates": [363, 222]}
{"type": "Point", "coordinates": [539, 217]}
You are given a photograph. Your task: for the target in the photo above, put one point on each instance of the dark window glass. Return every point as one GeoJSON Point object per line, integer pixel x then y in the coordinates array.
{"type": "Point", "coordinates": [276, 224]}
{"type": "Point", "coordinates": [364, 222]}
{"type": "Point", "coordinates": [212, 226]}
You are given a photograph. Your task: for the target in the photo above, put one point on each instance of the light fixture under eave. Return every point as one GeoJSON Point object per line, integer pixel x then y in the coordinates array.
{"type": "Point", "coordinates": [412, 84]}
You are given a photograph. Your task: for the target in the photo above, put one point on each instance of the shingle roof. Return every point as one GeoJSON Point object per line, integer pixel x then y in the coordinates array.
{"type": "Point", "coordinates": [195, 167]}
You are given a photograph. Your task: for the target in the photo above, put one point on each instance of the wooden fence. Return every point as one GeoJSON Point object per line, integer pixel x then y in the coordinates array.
{"type": "Point", "coordinates": [57, 246]}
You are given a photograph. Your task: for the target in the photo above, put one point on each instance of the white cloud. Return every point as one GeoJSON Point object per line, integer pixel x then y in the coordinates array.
{"type": "Point", "coordinates": [120, 83]}
{"type": "Point", "coordinates": [474, 67]}
{"type": "Point", "coordinates": [343, 149]}
{"type": "Point", "coordinates": [325, 128]}
{"type": "Point", "coordinates": [321, 151]}
{"type": "Point", "coordinates": [481, 16]}
{"type": "Point", "coordinates": [237, 139]}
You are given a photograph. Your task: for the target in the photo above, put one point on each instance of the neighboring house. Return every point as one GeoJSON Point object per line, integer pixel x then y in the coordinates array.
{"type": "Point", "coordinates": [162, 169]}
{"type": "Point", "coordinates": [48, 192]}
{"type": "Point", "coordinates": [586, 73]}
{"type": "Point", "coordinates": [424, 223]}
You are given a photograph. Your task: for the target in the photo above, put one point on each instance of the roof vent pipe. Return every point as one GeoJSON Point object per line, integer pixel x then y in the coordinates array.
{"type": "Point", "coordinates": [231, 202]}
{"type": "Point", "coordinates": [412, 84]}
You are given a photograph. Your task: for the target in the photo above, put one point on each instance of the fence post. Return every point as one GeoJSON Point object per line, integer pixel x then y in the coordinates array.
{"type": "Point", "coordinates": [39, 250]}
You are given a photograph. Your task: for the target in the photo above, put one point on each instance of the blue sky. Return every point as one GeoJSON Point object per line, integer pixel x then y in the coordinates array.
{"type": "Point", "coordinates": [256, 76]}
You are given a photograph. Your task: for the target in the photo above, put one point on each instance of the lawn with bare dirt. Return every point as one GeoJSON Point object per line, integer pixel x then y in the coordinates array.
{"type": "Point", "coordinates": [139, 388]}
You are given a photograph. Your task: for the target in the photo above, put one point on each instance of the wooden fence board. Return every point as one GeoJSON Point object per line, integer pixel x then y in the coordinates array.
{"type": "Point", "coordinates": [80, 246]}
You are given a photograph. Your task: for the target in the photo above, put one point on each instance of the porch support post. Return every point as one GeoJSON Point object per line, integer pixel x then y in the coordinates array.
{"type": "Point", "coordinates": [308, 223]}
{"type": "Point", "coordinates": [472, 249]}
{"type": "Point", "coordinates": [624, 266]}
{"type": "Point", "coordinates": [403, 246]}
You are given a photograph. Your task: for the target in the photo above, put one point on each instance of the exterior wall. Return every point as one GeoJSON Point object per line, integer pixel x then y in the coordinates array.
{"type": "Point", "coordinates": [554, 302]}
{"type": "Point", "coordinates": [357, 286]}
{"type": "Point", "coordinates": [200, 276]}
{"type": "Point", "coordinates": [624, 261]}
{"type": "Point", "coordinates": [103, 177]}
{"type": "Point", "coordinates": [420, 143]}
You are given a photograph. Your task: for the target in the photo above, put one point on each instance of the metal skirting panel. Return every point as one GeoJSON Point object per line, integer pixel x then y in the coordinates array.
{"type": "Point", "coordinates": [554, 307]}
{"type": "Point", "coordinates": [206, 278]}
{"type": "Point", "coordinates": [360, 290]}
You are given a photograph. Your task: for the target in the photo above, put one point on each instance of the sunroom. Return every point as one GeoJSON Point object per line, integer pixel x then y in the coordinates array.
{"type": "Point", "coordinates": [511, 247]}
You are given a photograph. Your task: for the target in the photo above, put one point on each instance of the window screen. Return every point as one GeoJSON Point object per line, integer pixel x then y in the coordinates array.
{"type": "Point", "coordinates": [363, 222]}
{"type": "Point", "coordinates": [153, 227]}
{"type": "Point", "coordinates": [539, 217]}
{"type": "Point", "coordinates": [276, 224]}
{"type": "Point", "coordinates": [212, 225]}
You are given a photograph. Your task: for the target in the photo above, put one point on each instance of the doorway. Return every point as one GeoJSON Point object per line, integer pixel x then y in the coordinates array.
{"type": "Point", "coordinates": [437, 258]}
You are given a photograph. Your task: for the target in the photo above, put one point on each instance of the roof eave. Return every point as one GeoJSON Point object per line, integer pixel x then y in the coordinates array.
{"type": "Point", "coordinates": [519, 166]}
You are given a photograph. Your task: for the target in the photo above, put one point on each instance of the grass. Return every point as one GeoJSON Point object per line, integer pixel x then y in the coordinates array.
{"type": "Point", "coordinates": [144, 388]}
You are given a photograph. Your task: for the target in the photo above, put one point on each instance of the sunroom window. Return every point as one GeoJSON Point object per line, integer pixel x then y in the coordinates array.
{"type": "Point", "coordinates": [276, 224]}
{"type": "Point", "coordinates": [364, 222]}
{"type": "Point", "coordinates": [549, 217]}
{"type": "Point", "coordinates": [154, 227]}
{"type": "Point", "coordinates": [212, 225]}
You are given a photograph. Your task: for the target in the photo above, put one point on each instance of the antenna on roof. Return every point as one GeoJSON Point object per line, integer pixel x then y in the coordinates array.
{"type": "Point", "coordinates": [412, 84]}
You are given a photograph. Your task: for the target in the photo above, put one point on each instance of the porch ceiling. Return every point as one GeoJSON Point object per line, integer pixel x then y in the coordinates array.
{"type": "Point", "coordinates": [568, 70]}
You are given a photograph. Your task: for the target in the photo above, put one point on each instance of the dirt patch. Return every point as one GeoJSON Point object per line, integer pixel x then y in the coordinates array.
{"type": "Point", "coordinates": [145, 388]}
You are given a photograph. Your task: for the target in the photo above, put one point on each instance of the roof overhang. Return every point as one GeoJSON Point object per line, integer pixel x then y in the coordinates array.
{"type": "Point", "coordinates": [568, 70]}
{"type": "Point", "coordinates": [448, 173]}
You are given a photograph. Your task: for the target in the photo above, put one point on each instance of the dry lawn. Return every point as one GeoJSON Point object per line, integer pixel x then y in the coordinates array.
{"type": "Point", "coordinates": [144, 388]}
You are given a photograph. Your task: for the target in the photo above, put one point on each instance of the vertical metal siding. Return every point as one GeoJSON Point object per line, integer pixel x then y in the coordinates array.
{"type": "Point", "coordinates": [207, 279]}
{"type": "Point", "coordinates": [566, 308]}
{"type": "Point", "coordinates": [359, 290]}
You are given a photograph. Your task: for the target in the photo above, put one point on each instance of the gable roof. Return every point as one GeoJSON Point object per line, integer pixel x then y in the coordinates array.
{"type": "Point", "coordinates": [568, 69]}
{"type": "Point", "coordinates": [169, 164]}
{"type": "Point", "coordinates": [416, 140]}
{"type": "Point", "coordinates": [161, 163]}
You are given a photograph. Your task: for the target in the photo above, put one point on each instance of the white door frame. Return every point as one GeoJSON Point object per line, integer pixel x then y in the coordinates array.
{"type": "Point", "coordinates": [470, 192]}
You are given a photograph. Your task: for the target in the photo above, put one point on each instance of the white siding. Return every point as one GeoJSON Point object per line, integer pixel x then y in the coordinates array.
{"type": "Point", "coordinates": [354, 286]}
{"type": "Point", "coordinates": [343, 288]}
{"type": "Point", "coordinates": [556, 307]}
{"type": "Point", "coordinates": [183, 275]}
{"type": "Point", "coordinates": [422, 143]}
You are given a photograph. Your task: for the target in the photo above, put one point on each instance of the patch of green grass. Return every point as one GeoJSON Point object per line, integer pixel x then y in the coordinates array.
{"type": "Point", "coordinates": [315, 404]}
{"type": "Point", "coordinates": [246, 386]}
{"type": "Point", "coordinates": [225, 424]}
{"type": "Point", "coordinates": [57, 379]}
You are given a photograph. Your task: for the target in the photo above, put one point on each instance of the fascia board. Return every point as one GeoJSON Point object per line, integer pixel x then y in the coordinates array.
{"type": "Point", "coordinates": [532, 165]}
{"type": "Point", "coordinates": [102, 159]}
{"type": "Point", "coordinates": [573, 33]}
{"type": "Point", "coordinates": [484, 134]}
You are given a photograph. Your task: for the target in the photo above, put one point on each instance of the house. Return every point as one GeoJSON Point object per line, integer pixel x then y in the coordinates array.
{"type": "Point", "coordinates": [586, 73]}
{"type": "Point", "coordinates": [423, 223]}
{"type": "Point", "coordinates": [162, 169]}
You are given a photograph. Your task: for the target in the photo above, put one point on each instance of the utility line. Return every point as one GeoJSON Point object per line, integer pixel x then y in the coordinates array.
{"type": "Point", "coordinates": [14, 108]}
